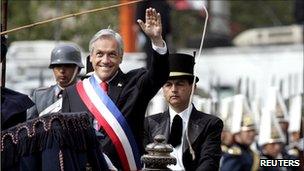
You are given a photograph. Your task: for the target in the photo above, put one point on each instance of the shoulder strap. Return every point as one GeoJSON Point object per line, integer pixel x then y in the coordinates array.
{"type": "Point", "coordinates": [55, 107]}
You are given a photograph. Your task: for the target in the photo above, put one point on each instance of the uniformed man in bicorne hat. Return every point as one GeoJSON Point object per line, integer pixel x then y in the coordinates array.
{"type": "Point", "coordinates": [271, 139]}
{"type": "Point", "coordinates": [275, 103]}
{"type": "Point", "coordinates": [225, 110]}
{"type": "Point", "coordinates": [296, 129]}
{"type": "Point", "coordinates": [240, 157]}
{"type": "Point", "coordinates": [66, 64]}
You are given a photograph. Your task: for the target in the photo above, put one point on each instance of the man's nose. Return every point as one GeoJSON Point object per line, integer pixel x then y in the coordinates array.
{"type": "Point", "coordinates": [105, 59]}
{"type": "Point", "coordinates": [173, 88]}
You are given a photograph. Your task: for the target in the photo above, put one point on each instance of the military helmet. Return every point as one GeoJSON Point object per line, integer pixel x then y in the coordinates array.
{"type": "Point", "coordinates": [66, 54]}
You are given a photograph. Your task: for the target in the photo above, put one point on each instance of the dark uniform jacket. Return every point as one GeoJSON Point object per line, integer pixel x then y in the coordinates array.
{"type": "Point", "coordinates": [240, 158]}
{"type": "Point", "coordinates": [131, 93]}
{"type": "Point", "coordinates": [204, 134]}
{"type": "Point", "coordinates": [43, 98]}
{"type": "Point", "coordinates": [269, 168]}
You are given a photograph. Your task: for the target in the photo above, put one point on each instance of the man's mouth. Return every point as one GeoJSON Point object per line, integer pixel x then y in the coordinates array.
{"type": "Point", "coordinates": [174, 97]}
{"type": "Point", "coordinates": [62, 78]}
{"type": "Point", "coordinates": [105, 68]}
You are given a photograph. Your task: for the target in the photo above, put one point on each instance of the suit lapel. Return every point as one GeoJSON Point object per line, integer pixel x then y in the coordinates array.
{"type": "Point", "coordinates": [53, 94]}
{"type": "Point", "coordinates": [194, 129]}
{"type": "Point", "coordinates": [115, 86]}
{"type": "Point", "coordinates": [163, 126]}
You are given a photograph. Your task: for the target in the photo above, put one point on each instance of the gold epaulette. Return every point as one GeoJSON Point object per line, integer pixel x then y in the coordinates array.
{"type": "Point", "coordinates": [293, 152]}
{"type": "Point", "coordinates": [256, 161]}
{"type": "Point", "coordinates": [224, 148]}
{"type": "Point", "coordinates": [234, 150]}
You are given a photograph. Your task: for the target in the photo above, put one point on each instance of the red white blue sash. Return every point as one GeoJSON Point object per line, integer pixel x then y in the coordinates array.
{"type": "Point", "coordinates": [112, 121]}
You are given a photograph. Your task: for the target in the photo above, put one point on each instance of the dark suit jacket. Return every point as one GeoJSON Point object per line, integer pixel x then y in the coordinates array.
{"type": "Point", "coordinates": [204, 134]}
{"type": "Point", "coordinates": [131, 92]}
{"type": "Point", "coordinates": [43, 98]}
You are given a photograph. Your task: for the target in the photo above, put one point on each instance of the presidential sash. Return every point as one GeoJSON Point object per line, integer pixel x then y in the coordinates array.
{"type": "Point", "coordinates": [112, 121]}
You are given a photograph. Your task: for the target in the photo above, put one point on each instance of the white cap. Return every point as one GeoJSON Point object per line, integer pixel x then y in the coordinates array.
{"type": "Point", "coordinates": [202, 104]}
{"type": "Point", "coordinates": [270, 130]}
{"type": "Point", "coordinates": [256, 110]}
{"type": "Point", "coordinates": [242, 119]}
{"type": "Point", "coordinates": [295, 109]}
{"type": "Point", "coordinates": [225, 110]}
{"type": "Point", "coordinates": [276, 104]}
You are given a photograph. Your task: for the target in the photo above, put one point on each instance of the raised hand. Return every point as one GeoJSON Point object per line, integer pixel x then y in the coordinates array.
{"type": "Point", "coordinates": [153, 26]}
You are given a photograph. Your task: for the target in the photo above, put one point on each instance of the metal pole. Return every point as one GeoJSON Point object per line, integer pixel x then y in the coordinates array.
{"type": "Point", "coordinates": [3, 28]}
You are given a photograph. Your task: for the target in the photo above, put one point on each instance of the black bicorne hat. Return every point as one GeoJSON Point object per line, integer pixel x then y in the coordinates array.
{"type": "Point", "coordinates": [181, 66]}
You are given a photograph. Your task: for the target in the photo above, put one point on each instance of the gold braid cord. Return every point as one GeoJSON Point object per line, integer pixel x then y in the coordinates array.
{"type": "Point", "coordinates": [69, 16]}
{"type": "Point", "coordinates": [61, 161]}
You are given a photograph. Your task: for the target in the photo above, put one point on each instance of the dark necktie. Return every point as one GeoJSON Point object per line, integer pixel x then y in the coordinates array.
{"type": "Point", "coordinates": [104, 85]}
{"type": "Point", "coordinates": [59, 95]}
{"type": "Point", "coordinates": [176, 131]}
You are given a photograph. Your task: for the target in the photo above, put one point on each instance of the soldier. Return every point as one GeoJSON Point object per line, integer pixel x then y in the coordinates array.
{"type": "Point", "coordinates": [276, 104]}
{"type": "Point", "coordinates": [66, 64]}
{"type": "Point", "coordinates": [225, 110]}
{"type": "Point", "coordinates": [239, 157]}
{"type": "Point", "coordinates": [296, 129]}
{"type": "Point", "coordinates": [271, 139]}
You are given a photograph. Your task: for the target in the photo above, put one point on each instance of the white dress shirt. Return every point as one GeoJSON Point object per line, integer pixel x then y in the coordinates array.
{"type": "Point", "coordinates": [178, 150]}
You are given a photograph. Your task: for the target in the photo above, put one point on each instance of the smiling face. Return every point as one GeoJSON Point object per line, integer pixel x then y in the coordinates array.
{"type": "Point", "coordinates": [177, 93]}
{"type": "Point", "coordinates": [105, 58]}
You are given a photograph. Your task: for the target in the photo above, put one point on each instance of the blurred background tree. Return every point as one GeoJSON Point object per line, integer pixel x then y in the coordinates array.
{"type": "Point", "coordinates": [77, 29]}
{"type": "Point", "coordinates": [244, 14]}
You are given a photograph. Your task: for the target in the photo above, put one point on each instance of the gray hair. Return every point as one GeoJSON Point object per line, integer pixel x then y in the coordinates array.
{"type": "Point", "coordinates": [103, 33]}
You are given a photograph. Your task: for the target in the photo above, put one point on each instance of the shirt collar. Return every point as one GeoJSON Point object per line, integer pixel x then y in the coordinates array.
{"type": "Point", "coordinates": [184, 114]}
{"type": "Point", "coordinates": [58, 90]}
{"type": "Point", "coordinates": [99, 80]}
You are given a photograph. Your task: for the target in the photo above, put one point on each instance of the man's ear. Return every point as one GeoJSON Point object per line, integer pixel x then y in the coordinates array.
{"type": "Point", "coordinates": [121, 58]}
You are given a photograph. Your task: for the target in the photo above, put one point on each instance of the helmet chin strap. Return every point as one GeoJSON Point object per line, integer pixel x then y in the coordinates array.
{"type": "Point", "coordinates": [72, 78]}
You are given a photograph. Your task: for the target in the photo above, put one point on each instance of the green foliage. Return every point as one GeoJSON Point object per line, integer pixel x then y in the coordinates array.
{"type": "Point", "coordinates": [78, 29]}
{"type": "Point", "coordinates": [261, 13]}
{"type": "Point", "coordinates": [245, 14]}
